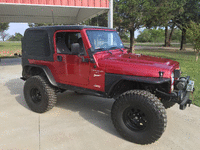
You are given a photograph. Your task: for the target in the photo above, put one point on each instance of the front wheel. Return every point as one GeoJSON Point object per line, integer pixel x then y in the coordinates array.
{"type": "Point", "coordinates": [139, 116]}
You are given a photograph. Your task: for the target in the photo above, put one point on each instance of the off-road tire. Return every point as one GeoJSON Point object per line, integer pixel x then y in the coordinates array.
{"type": "Point", "coordinates": [39, 94]}
{"type": "Point", "coordinates": [142, 104]}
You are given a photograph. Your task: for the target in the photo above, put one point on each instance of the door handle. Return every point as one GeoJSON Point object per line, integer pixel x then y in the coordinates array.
{"type": "Point", "coordinates": [59, 58]}
{"type": "Point", "coordinates": [83, 59]}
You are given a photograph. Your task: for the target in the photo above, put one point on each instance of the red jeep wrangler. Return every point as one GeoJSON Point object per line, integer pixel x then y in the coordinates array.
{"type": "Point", "coordinates": [93, 60]}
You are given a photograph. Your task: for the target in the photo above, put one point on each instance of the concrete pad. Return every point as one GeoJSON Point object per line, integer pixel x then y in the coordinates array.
{"type": "Point", "coordinates": [79, 122]}
{"type": "Point", "coordinates": [18, 125]}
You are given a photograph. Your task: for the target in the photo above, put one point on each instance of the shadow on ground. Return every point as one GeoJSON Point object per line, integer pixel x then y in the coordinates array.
{"type": "Point", "coordinates": [93, 109]}
{"type": "Point", "coordinates": [15, 87]}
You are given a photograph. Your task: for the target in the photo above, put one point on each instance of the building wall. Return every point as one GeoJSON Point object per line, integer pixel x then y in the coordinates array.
{"type": "Point", "coordinates": [83, 3]}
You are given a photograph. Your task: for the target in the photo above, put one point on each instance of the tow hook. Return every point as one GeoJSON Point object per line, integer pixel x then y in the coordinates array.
{"type": "Point", "coordinates": [186, 99]}
{"type": "Point", "coordinates": [184, 103]}
{"type": "Point", "coordinates": [189, 102]}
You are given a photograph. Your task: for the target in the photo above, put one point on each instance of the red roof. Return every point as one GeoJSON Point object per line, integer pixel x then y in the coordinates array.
{"type": "Point", "coordinates": [82, 3]}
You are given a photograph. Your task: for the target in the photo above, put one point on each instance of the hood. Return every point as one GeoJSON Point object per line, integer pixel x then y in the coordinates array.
{"type": "Point", "coordinates": [136, 64]}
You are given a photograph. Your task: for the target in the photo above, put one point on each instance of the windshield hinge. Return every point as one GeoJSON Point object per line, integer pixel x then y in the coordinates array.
{"type": "Point", "coordinates": [109, 52]}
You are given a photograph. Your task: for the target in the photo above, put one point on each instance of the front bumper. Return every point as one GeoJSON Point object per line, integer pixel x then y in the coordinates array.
{"type": "Point", "coordinates": [181, 96]}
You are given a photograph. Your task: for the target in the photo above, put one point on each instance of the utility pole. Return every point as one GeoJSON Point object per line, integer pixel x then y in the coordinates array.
{"type": "Point", "coordinates": [97, 20]}
{"type": "Point", "coordinates": [110, 14]}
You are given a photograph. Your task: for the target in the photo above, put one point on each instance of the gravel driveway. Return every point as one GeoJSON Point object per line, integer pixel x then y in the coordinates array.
{"type": "Point", "coordinates": [79, 122]}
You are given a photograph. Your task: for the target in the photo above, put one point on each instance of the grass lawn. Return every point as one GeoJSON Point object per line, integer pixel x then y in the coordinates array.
{"type": "Point", "coordinates": [177, 45]}
{"type": "Point", "coordinates": [8, 49]}
{"type": "Point", "coordinates": [187, 63]}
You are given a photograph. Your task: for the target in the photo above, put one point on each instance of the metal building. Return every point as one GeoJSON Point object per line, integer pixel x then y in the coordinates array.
{"type": "Point", "coordinates": [53, 11]}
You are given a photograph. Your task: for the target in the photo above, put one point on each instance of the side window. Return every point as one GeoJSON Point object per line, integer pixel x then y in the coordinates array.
{"type": "Point", "coordinates": [64, 40]}
{"type": "Point", "coordinates": [37, 43]}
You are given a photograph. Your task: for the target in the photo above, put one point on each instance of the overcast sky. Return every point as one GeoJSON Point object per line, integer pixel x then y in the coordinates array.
{"type": "Point", "coordinates": [21, 27]}
{"type": "Point", "coordinates": [17, 27]}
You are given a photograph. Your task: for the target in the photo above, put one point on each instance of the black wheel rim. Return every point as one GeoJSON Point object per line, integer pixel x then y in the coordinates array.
{"type": "Point", "coordinates": [35, 95]}
{"type": "Point", "coordinates": [134, 119]}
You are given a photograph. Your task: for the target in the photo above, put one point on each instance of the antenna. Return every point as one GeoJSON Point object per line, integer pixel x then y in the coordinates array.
{"type": "Point", "coordinates": [52, 17]}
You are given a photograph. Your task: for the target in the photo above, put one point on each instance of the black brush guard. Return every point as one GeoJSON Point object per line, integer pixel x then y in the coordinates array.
{"type": "Point", "coordinates": [181, 96]}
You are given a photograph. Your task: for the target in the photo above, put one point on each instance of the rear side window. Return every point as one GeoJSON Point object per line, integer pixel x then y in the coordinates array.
{"type": "Point", "coordinates": [37, 43]}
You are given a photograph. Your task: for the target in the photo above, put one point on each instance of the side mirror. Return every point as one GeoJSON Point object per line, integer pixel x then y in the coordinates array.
{"type": "Point", "coordinates": [75, 48]}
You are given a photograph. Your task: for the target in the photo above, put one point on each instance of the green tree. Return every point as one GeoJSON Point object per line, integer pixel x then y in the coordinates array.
{"type": "Point", "coordinates": [177, 10]}
{"type": "Point", "coordinates": [117, 22]}
{"type": "Point", "coordinates": [176, 35]}
{"type": "Point", "coordinates": [161, 13]}
{"type": "Point", "coordinates": [144, 36]}
{"type": "Point", "coordinates": [4, 35]}
{"type": "Point", "coordinates": [16, 37]}
{"type": "Point", "coordinates": [189, 12]}
{"type": "Point", "coordinates": [151, 35]}
{"type": "Point", "coordinates": [99, 20]}
{"type": "Point", "coordinates": [193, 35]}
{"type": "Point", "coordinates": [157, 35]}
{"type": "Point", "coordinates": [31, 25]}
{"type": "Point", "coordinates": [168, 38]}
{"type": "Point", "coordinates": [130, 15]}
{"type": "Point", "coordinates": [3, 28]}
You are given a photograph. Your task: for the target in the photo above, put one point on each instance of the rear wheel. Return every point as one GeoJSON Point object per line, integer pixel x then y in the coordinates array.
{"type": "Point", "coordinates": [39, 94]}
{"type": "Point", "coordinates": [139, 116]}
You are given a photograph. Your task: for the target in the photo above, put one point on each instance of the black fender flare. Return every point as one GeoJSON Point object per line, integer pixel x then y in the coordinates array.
{"type": "Point", "coordinates": [47, 72]}
{"type": "Point", "coordinates": [113, 79]}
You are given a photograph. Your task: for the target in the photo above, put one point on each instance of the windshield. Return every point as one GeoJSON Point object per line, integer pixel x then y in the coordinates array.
{"type": "Point", "coordinates": [104, 40]}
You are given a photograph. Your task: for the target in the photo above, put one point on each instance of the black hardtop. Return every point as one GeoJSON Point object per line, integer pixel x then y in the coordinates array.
{"type": "Point", "coordinates": [66, 27]}
{"type": "Point", "coordinates": [38, 42]}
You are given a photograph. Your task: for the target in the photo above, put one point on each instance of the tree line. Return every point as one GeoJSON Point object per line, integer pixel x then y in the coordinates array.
{"type": "Point", "coordinates": [158, 35]}
{"type": "Point", "coordinates": [131, 15]}
{"type": "Point", "coordinates": [135, 14]}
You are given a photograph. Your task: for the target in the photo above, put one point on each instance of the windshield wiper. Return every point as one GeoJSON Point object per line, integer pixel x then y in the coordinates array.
{"type": "Point", "coordinates": [109, 52]}
{"type": "Point", "coordinates": [100, 49]}
{"type": "Point", "coordinates": [114, 47]}
{"type": "Point", "coordinates": [121, 50]}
